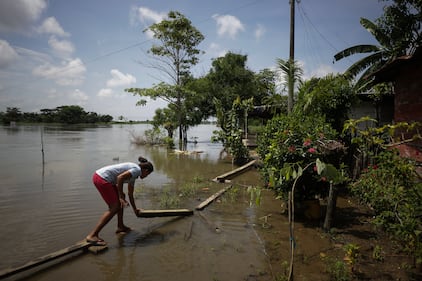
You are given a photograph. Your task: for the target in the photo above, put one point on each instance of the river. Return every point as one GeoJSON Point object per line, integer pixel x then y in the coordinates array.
{"type": "Point", "coordinates": [48, 202]}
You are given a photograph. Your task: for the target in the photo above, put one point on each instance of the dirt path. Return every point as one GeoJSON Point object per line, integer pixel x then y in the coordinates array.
{"type": "Point", "coordinates": [321, 256]}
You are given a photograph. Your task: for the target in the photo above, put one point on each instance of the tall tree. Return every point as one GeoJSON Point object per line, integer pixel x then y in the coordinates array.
{"type": "Point", "coordinates": [176, 53]}
{"type": "Point", "coordinates": [230, 79]}
{"type": "Point", "coordinates": [402, 21]}
{"type": "Point", "coordinates": [398, 32]}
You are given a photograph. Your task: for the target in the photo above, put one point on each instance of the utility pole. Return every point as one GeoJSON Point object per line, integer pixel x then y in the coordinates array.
{"type": "Point", "coordinates": [291, 78]}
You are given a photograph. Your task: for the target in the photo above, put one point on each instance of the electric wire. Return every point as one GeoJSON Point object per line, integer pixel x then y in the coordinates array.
{"type": "Point", "coordinates": [114, 52]}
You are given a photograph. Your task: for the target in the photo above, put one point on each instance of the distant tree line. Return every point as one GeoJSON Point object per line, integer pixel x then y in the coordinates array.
{"type": "Point", "coordinates": [68, 114]}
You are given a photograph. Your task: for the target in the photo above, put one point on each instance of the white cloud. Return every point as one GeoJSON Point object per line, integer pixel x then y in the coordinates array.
{"type": "Point", "coordinates": [146, 17]}
{"type": "Point", "coordinates": [52, 26]}
{"type": "Point", "coordinates": [71, 72]}
{"type": "Point", "coordinates": [7, 54]}
{"type": "Point", "coordinates": [79, 96]}
{"type": "Point", "coordinates": [19, 15]}
{"type": "Point", "coordinates": [323, 70]}
{"type": "Point", "coordinates": [105, 93]}
{"type": "Point", "coordinates": [61, 47]}
{"type": "Point", "coordinates": [259, 31]}
{"type": "Point", "coordinates": [228, 25]}
{"type": "Point", "coordinates": [120, 79]}
{"type": "Point", "coordinates": [216, 51]}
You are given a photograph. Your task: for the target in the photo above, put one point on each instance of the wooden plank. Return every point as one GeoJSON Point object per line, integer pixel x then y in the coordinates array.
{"type": "Point", "coordinates": [165, 213]}
{"type": "Point", "coordinates": [44, 259]}
{"type": "Point", "coordinates": [235, 172]}
{"type": "Point", "coordinates": [212, 198]}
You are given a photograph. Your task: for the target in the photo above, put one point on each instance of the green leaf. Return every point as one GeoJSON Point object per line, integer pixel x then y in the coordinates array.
{"type": "Point", "coordinates": [320, 166]}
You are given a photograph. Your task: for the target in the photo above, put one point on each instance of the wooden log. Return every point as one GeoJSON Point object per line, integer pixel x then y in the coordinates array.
{"type": "Point", "coordinates": [44, 259]}
{"type": "Point", "coordinates": [234, 172]}
{"type": "Point", "coordinates": [212, 198]}
{"type": "Point", "coordinates": [165, 213]}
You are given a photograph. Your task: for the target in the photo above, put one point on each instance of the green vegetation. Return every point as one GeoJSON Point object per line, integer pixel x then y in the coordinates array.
{"type": "Point", "coordinates": [67, 114]}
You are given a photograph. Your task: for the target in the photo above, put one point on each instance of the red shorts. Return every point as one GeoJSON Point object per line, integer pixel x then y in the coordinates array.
{"type": "Point", "coordinates": [107, 190]}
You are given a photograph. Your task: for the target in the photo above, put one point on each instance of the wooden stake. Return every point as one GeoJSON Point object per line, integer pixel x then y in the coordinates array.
{"type": "Point", "coordinates": [331, 206]}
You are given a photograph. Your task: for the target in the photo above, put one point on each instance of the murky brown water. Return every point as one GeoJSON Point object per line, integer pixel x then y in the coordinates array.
{"type": "Point", "coordinates": [44, 208]}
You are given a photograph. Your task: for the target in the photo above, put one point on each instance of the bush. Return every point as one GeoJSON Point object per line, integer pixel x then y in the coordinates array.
{"type": "Point", "coordinates": [298, 140]}
{"type": "Point", "coordinates": [389, 187]}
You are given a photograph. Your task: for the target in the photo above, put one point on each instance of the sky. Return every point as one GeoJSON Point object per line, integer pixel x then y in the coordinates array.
{"type": "Point", "coordinates": [87, 52]}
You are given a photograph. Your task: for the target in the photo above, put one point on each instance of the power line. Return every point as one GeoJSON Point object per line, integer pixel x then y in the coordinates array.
{"type": "Point", "coordinates": [111, 53]}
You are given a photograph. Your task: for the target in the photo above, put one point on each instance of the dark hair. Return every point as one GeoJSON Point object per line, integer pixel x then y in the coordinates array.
{"type": "Point", "coordinates": [142, 159]}
{"type": "Point", "coordinates": [145, 164]}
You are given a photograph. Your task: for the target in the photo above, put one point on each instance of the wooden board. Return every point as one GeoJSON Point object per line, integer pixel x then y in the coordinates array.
{"type": "Point", "coordinates": [212, 198]}
{"type": "Point", "coordinates": [44, 259]}
{"type": "Point", "coordinates": [165, 213]}
{"type": "Point", "coordinates": [234, 172]}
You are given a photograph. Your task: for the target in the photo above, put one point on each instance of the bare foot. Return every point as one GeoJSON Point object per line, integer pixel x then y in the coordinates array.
{"type": "Point", "coordinates": [96, 241]}
{"type": "Point", "coordinates": [123, 230]}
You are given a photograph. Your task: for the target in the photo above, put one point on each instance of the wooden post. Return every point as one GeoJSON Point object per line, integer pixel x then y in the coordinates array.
{"type": "Point", "coordinates": [331, 205]}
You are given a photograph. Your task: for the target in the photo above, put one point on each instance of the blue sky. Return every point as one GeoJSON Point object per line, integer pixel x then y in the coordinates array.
{"type": "Point", "coordinates": [86, 52]}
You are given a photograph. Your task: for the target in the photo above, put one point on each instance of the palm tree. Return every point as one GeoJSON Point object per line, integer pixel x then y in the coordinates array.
{"type": "Point", "coordinates": [292, 73]}
{"type": "Point", "coordinates": [380, 55]}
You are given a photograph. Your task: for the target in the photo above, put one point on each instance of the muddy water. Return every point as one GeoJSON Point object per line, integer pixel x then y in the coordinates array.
{"type": "Point", "coordinates": [50, 206]}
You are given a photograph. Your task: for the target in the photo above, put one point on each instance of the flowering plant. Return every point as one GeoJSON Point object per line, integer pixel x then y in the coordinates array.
{"type": "Point", "coordinates": [287, 145]}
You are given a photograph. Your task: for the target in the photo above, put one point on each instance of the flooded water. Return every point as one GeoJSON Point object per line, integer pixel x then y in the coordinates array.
{"type": "Point", "coordinates": [48, 202]}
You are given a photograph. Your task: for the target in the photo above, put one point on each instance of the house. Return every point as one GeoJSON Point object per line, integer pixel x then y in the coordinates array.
{"type": "Point", "coordinates": [406, 75]}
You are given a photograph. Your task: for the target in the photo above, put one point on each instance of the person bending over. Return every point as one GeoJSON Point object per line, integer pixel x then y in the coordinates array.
{"type": "Point", "coordinates": [109, 181]}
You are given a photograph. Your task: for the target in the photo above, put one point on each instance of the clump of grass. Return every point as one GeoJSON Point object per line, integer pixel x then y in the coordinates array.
{"type": "Point", "coordinates": [231, 195]}
{"type": "Point", "coordinates": [169, 200]}
{"type": "Point", "coordinates": [188, 190]}
{"type": "Point", "coordinates": [338, 270]}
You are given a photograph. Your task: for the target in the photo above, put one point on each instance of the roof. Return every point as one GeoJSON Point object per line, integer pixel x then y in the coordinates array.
{"type": "Point", "coordinates": [391, 70]}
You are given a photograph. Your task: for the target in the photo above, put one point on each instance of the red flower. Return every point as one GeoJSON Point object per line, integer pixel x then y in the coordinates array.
{"type": "Point", "coordinates": [292, 148]}
{"type": "Point", "coordinates": [307, 142]}
{"type": "Point", "coordinates": [311, 150]}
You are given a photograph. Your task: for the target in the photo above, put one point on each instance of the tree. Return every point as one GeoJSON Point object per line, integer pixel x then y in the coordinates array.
{"type": "Point", "coordinates": [13, 114]}
{"type": "Point", "coordinates": [176, 54]}
{"type": "Point", "coordinates": [229, 80]}
{"type": "Point", "coordinates": [291, 72]}
{"type": "Point", "coordinates": [71, 114]}
{"type": "Point", "coordinates": [166, 118]}
{"type": "Point", "coordinates": [398, 32]}
{"type": "Point", "coordinates": [402, 21]}
{"type": "Point", "coordinates": [331, 96]}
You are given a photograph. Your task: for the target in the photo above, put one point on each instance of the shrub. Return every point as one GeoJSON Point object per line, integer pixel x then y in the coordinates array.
{"type": "Point", "coordinates": [298, 140]}
{"type": "Point", "coordinates": [389, 187]}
